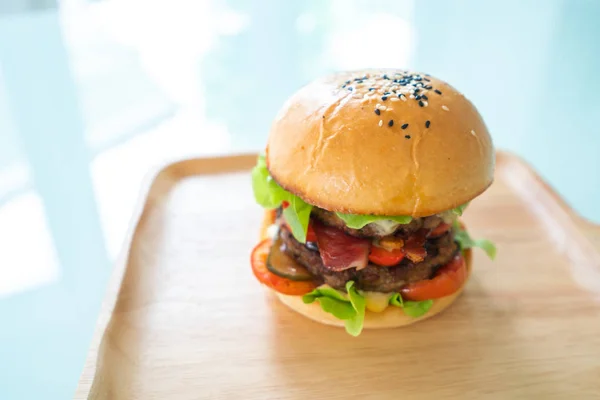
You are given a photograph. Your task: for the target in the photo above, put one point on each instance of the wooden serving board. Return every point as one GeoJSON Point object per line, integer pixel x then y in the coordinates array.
{"type": "Point", "coordinates": [185, 319]}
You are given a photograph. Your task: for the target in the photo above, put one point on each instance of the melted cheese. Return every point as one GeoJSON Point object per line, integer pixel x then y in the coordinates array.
{"type": "Point", "coordinates": [385, 227]}
{"type": "Point", "coordinates": [376, 301]}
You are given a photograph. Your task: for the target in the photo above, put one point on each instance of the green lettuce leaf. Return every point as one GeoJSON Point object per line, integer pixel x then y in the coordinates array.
{"type": "Point", "coordinates": [340, 309]}
{"type": "Point", "coordinates": [417, 308]}
{"type": "Point", "coordinates": [297, 215]}
{"type": "Point", "coordinates": [358, 221]}
{"type": "Point", "coordinates": [350, 309]}
{"type": "Point", "coordinates": [396, 300]}
{"type": "Point", "coordinates": [466, 242]}
{"type": "Point", "coordinates": [324, 291]}
{"type": "Point", "coordinates": [411, 308]}
{"type": "Point", "coordinates": [354, 325]}
{"type": "Point", "coordinates": [269, 194]}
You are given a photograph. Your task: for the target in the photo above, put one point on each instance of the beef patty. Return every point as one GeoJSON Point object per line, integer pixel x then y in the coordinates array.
{"type": "Point", "coordinates": [373, 278]}
{"type": "Point", "coordinates": [331, 219]}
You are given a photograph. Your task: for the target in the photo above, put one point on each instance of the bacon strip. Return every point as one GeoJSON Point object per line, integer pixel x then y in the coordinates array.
{"type": "Point", "coordinates": [414, 247]}
{"type": "Point", "coordinates": [340, 251]}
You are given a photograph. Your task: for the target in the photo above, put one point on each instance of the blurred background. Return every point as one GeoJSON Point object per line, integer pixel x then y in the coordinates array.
{"type": "Point", "coordinates": [95, 93]}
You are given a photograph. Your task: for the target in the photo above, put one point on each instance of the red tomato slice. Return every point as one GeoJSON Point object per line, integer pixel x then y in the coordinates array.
{"type": "Point", "coordinates": [311, 236]}
{"type": "Point", "coordinates": [385, 258]}
{"type": "Point", "coordinates": [446, 281]}
{"type": "Point", "coordinates": [439, 230]}
{"type": "Point", "coordinates": [258, 259]}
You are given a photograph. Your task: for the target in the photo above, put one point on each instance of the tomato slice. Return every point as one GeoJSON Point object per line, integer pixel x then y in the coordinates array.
{"type": "Point", "coordinates": [439, 230]}
{"type": "Point", "coordinates": [258, 259]}
{"type": "Point", "coordinates": [385, 258]}
{"type": "Point", "coordinates": [446, 281]}
{"type": "Point", "coordinates": [311, 236]}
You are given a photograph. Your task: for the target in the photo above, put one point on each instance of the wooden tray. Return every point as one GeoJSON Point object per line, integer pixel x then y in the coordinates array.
{"type": "Point", "coordinates": [185, 319]}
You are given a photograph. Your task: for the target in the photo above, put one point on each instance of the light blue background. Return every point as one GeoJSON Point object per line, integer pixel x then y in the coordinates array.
{"type": "Point", "coordinates": [95, 94]}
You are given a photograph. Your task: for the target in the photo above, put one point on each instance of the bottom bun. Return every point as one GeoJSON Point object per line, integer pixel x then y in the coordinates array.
{"type": "Point", "coordinates": [391, 317]}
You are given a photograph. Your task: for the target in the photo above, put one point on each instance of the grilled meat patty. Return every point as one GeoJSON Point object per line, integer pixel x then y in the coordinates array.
{"type": "Point", "coordinates": [373, 278]}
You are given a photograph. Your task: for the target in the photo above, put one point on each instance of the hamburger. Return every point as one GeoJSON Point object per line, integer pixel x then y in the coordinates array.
{"type": "Point", "coordinates": [364, 179]}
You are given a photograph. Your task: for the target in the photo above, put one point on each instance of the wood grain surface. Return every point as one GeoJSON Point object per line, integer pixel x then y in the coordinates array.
{"type": "Point", "coordinates": [185, 319]}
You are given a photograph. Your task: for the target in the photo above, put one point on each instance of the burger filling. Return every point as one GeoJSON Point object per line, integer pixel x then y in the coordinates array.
{"type": "Point", "coordinates": [415, 253]}
{"type": "Point", "coordinates": [350, 263]}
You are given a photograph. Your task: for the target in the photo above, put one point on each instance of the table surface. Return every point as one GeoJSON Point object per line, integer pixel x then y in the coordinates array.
{"type": "Point", "coordinates": [95, 94]}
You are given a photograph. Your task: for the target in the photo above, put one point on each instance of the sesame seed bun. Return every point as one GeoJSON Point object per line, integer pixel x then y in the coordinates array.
{"type": "Point", "coordinates": [345, 148]}
{"type": "Point", "coordinates": [391, 317]}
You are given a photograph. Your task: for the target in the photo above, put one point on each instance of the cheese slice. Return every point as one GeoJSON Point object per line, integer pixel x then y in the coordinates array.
{"type": "Point", "coordinates": [376, 301]}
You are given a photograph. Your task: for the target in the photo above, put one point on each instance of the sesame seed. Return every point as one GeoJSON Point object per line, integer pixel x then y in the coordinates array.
{"type": "Point", "coordinates": [427, 80]}
{"type": "Point", "coordinates": [377, 111]}
{"type": "Point", "coordinates": [350, 88]}
{"type": "Point", "coordinates": [384, 98]}
{"type": "Point", "coordinates": [412, 96]}
{"type": "Point", "coordinates": [403, 98]}
{"type": "Point", "coordinates": [383, 108]}
{"type": "Point", "coordinates": [385, 76]}
{"type": "Point", "coordinates": [427, 123]}
{"type": "Point", "coordinates": [391, 123]}
{"type": "Point", "coordinates": [445, 108]}
{"type": "Point", "coordinates": [421, 104]}
{"type": "Point", "coordinates": [473, 133]}
{"type": "Point", "coordinates": [371, 89]}
{"type": "Point", "coordinates": [380, 122]}
{"type": "Point", "coordinates": [424, 97]}
{"type": "Point", "coordinates": [404, 126]}
{"type": "Point", "coordinates": [407, 136]}
{"type": "Point", "coordinates": [418, 97]}
{"type": "Point", "coordinates": [438, 91]}
{"type": "Point", "coordinates": [394, 99]}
